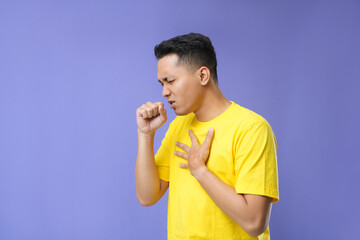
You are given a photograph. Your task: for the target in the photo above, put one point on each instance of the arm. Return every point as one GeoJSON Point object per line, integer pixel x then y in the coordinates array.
{"type": "Point", "coordinates": [251, 212]}
{"type": "Point", "coordinates": [149, 187]}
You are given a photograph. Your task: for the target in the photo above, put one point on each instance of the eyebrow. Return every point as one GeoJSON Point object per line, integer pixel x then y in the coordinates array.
{"type": "Point", "coordinates": [165, 79]}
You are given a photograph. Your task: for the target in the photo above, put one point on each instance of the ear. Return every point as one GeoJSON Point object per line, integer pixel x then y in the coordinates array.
{"type": "Point", "coordinates": [204, 75]}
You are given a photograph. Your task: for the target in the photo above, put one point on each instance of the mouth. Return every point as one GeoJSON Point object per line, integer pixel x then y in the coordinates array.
{"type": "Point", "coordinates": [171, 103]}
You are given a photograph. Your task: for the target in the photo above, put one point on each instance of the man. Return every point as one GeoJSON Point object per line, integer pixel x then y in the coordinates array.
{"type": "Point", "coordinates": [218, 159]}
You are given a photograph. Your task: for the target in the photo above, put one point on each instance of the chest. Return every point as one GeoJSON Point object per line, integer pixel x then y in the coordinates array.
{"type": "Point", "coordinates": [220, 160]}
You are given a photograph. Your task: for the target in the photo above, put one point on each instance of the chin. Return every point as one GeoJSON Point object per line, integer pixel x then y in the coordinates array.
{"type": "Point", "coordinates": [178, 113]}
{"type": "Point", "coordinates": [181, 113]}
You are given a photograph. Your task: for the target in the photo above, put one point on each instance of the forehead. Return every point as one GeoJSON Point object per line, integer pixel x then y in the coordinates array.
{"type": "Point", "coordinates": [168, 61]}
{"type": "Point", "coordinates": [168, 66]}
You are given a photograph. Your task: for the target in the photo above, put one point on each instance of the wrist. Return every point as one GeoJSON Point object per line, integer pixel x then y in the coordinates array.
{"type": "Point", "coordinates": [200, 172]}
{"type": "Point", "coordinates": [146, 135]}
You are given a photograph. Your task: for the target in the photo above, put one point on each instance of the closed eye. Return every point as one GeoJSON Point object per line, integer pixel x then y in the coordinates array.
{"type": "Point", "coordinates": [161, 83]}
{"type": "Point", "coordinates": [167, 81]}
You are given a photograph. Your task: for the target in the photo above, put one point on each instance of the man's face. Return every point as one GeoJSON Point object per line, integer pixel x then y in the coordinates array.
{"type": "Point", "coordinates": [181, 87]}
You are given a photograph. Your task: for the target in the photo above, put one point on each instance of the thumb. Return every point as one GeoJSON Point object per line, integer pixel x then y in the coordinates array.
{"type": "Point", "coordinates": [208, 139]}
{"type": "Point", "coordinates": [162, 112]}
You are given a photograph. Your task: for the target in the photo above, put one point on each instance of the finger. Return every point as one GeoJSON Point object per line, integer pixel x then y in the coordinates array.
{"type": "Point", "coordinates": [209, 138]}
{"type": "Point", "coordinates": [184, 165]}
{"type": "Point", "coordinates": [148, 113]}
{"type": "Point", "coordinates": [143, 113]}
{"type": "Point", "coordinates": [162, 111]}
{"type": "Point", "coordinates": [159, 104]}
{"type": "Point", "coordinates": [152, 109]}
{"type": "Point", "coordinates": [139, 112]}
{"type": "Point", "coordinates": [181, 154]}
{"type": "Point", "coordinates": [184, 147]}
{"type": "Point", "coordinates": [193, 138]}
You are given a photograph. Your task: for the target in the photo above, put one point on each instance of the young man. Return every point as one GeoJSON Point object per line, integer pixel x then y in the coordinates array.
{"type": "Point", "coordinates": [218, 159]}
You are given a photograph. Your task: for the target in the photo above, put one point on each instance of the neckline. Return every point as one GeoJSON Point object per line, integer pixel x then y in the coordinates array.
{"type": "Point", "coordinates": [197, 123]}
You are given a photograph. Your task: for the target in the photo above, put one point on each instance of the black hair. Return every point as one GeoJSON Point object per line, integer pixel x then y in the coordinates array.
{"type": "Point", "coordinates": [194, 50]}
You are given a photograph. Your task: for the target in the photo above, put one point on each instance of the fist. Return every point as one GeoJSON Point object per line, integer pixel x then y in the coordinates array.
{"type": "Point", "coordinates": [150, 117]}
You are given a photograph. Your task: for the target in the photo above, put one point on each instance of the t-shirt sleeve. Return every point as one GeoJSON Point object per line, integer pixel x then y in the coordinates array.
{"type": "Point", "coordinates": [162, 156]}
{"type": "Point", "coordinates": [256, 161]}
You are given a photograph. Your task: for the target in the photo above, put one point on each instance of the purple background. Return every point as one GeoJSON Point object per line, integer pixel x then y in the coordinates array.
{"type": "Point", "coordinates": [72, 74]}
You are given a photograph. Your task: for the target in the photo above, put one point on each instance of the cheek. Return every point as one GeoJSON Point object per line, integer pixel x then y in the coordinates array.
{"type": "Point", "coordinates": [186, 93]}
{"type": "Point", "coordinates": [186, 90]}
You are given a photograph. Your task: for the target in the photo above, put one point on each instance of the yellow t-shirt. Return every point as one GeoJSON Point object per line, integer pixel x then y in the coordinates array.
{"type": "Point", "coordinates": [242, 154]}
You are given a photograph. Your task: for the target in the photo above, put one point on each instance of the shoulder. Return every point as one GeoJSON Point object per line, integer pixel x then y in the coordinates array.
{"type": "Point", "coordinates": [252, 127]}
{"type": "Point", "coordinates": [246, 118]}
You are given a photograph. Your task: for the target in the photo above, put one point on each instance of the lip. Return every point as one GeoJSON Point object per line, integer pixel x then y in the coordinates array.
{"type": "Point", "coordinates": [171, 103]}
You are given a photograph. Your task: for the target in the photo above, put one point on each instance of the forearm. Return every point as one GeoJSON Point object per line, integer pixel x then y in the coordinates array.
{"type": "Point", "coordinates": [146, 174]}
{"type": "Point", "coordinates": [234, 205]}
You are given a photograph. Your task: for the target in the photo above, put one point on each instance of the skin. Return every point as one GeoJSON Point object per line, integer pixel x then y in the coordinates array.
{"type": "Point", "coordinates": [192, 91]}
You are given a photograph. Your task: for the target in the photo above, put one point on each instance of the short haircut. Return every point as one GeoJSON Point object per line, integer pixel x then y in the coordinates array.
{"type": "Point", "coordinates": [194, 50]}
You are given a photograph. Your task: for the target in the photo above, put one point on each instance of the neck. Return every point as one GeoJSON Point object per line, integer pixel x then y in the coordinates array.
{"type": "Point", "coordinates": [214, 104]}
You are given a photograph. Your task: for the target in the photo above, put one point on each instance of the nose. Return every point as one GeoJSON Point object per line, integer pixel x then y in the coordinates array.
{"type": "Point", "coordinates": [166, 91]}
